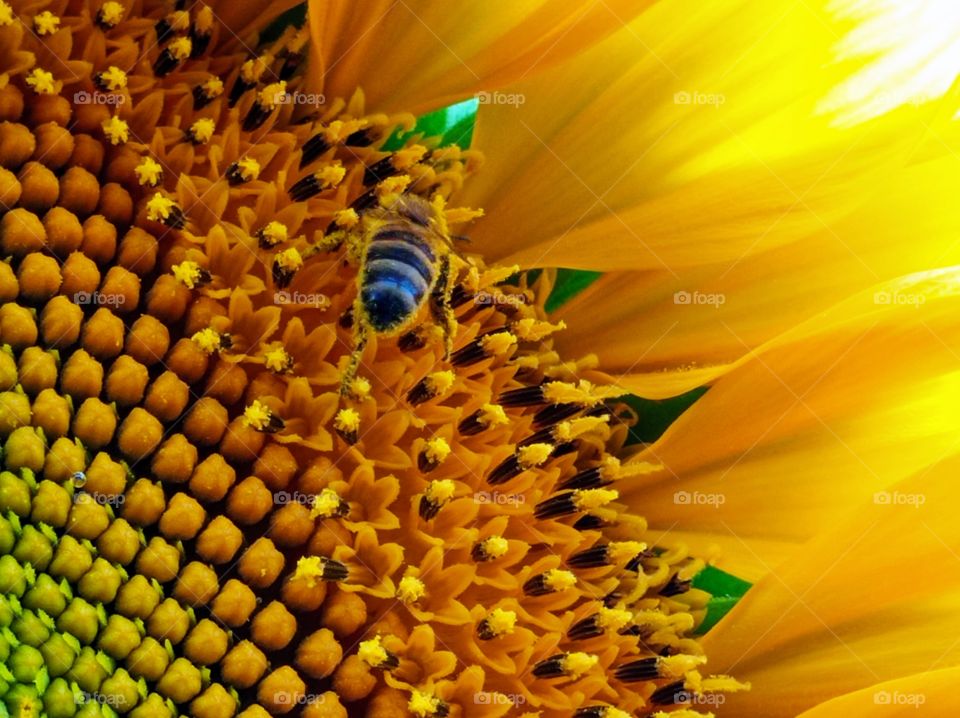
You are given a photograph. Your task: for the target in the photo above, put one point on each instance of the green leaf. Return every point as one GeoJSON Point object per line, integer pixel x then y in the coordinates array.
{"type": "Point", "coordinates": [725, 589]}
{"type": "Point", "coordinates": [453, 125]}
{"type": "Point", "coordinates": [654, 417]}
{"type": "Point", "coordinates": [570, 282]}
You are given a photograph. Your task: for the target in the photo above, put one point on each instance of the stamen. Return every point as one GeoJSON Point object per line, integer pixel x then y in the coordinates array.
{"type": "Point", "coordinates": [347, 424]}
{"type": "Point", "coordinates": [311, 568]}
{"type": "Point", "coordinates": [176, 52]}
{"type": "Point", "coordinates": [570, 665]}
{"type": "Point", "coordinates": [526, 457]}
{"type": "Point", "coordinates": [499, 622]}
{"type": "Point", "coordinates": [113, 79]}
{"type": "Point", "coordinates": [482, 347]}
{"type": "Point", "coordinates": [210, 341]}
{"type": "Point", "coordinates": [45, 23]}
{"type": "Point", "coordinates": [606, 619]}
{"type": "Point", "coordinates": [278, 360]}
{"type": "Point", "coordinates": [115, 130]}
{"type": "Point", "coordinates": [485, 417]}
{"type": "Point", "coordinates": [110, 14]}
{"type": "Point", "coordinates": [375, 655]}
{"type": "Point", "coordinates": [285, 265]}
{"type": "Point", "coordinates": [424, 705]}
{"type": "Point", "coordinates": [431, 386]}
{"type": "Point", "coordinates": [259, 416]}
{"type": "Point", "coordinates": [435, 496]}
{"type": "Point", "coordinates": [250, 73]}
{"type": "Point", "coordinates": [573, 501]}
{"type": "Point", "coordinates": [201, 31]}
{"type": "Point", "coordinates": [272, 234]}
{"type": "Point", "coordinates": [611, 554]}
{"type": "Point", "coordinates": [434, 453]}
{"type": "Point", "coordinates": [42, 82]}
{"type": "Point", "coordinates": [161, 208]}
{"type": "Point", "coordinates": [178, 21]}
{"type": "Point", "coordinates": [654, 667]}
{"type": "Point", "coordinates": [410, 589]}
{"type": "Point", "coordinates": [329, 504]}
{"type": "Point", "coordinates": [313, 184]}
{"type": "Point", "coordinates": [489, 549]}
{"type": "Point", "coordinates": [243, 170]}
{"type": "Point", "coordinates": [552, 581]}
{"type": "Point", "coordinates": [206, 93]}
{"type": "Point", "coordinates": [190, 274]}
{"type": "Point", "coordinates": [267, 101]}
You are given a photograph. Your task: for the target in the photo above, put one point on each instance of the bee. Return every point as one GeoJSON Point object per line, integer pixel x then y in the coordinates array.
{"type": "Point", "coordinates": [407, 260]}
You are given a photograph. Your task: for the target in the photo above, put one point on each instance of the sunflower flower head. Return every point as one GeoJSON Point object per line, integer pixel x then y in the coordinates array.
{"type": "Point", "coordinates": [220, 497]}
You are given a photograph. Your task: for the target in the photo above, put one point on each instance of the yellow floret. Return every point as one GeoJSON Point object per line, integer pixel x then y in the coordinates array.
{"type": "Point", "coordinates": [188, 273]}
{"type": "Point", "coordinates": [437, 450]}
{"type": "Point", "coordinates": [372, 652]}
{"type": "Point", "coordinates": [289, 259]}
{"type": "Point", "coordinates": [116, 130]}
{"type": "Point", "coordinates": [423, 704]}
{"type": "Point", "coordinates": [277, 360]}
{"type": "Point", "coordinates": [533, 455]}
{"type": "Point", "coordinates": [272, 95]}
{"type": "Point", "coordinates": [201, 131]}
{"type": "Point", "coordinates": [46, 23]}
{"type": "Point", "coordinates": [213, 87]}
{"type": "Point", "coordinates": [159, 208]}
{"type": "Point", "coordinates": [587, 499]}
{"type": "Point", "coordinates": [180, 48]}
{"type": "Point", "coordinates": [274, 233]}
{"type": "Point", "coordinates": [501, 622]}
{"type": "Point", "coordinates": [113, 78]}
{"type": "Point", "coordinates": [493, 415]}
{"type": "Point", "coordinates": [42, 82]}
{"type": "Point", "coordinates": [533, 330]}
{"type": "Point", "coordinates": [346, 218]}
{"type": "Point", "coordinates": [326, 504]}
{"type": "Point", "coordinates": [346, 420]}
{"type": "Point", "coordinates": [410, 589]}
{"type": "Point", "coordinates": [331, 175]}
{"type": "Point", "coordinates": [6, 14]}
{"type": "Point", "coordinates": [560, 579]}
{"type": "Point", "coordinates": [248, 168]}
{"type": "Point", "coordinates": [495, 546]}
{"type": "Point", "coordinates": [309, 568]}
{"type": "Point", "coordinates": [111, 13]}
{"type": "Point", "coordinates": [576, 664]}
{"type": "Point", "coordinates": [440, 491]}
{"type": "Point", "coordinates": [208, 340]}
{"type": "Point", "coordinates": [148, 172]}
{"type": "Point", "coordinates": [257, 415]}
{"type": "Point", "coordinates": [439, 382]}
{"type": "Point", "coordinates": [498, 343]}
{"type": "Point", "coordinates": [619, 551]}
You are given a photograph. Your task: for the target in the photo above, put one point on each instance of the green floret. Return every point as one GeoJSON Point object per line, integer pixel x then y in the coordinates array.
{"type": "Point", "coordinates": [14, 494]}
{"type": "Point", "coordinates": [46, 595]}
{"type": "Point", "coordinates": [25, 663]}
{"type": "Point", "coordinates": [59, 700]}
{"type": "Point", "coordinates": [14, 578]}
{"type": "Point", "coordinates": [81, 620]}
{"type": "Point", "coordinates": [59, 653]}
{"type": "Point", "coordinates": [35, 546]}
{"type": "Point", "coordinates": [23, 701]}
{"type": "Point", "coordinates": [120, 636]}
{"type": "Point", "coordinates": [8, 537]}
{"type": "Point", "coordinates": [32, 627]}
{"type": "Point", "coordinates": [90, 669]}
{"type": "Point", "coordinates": [121, 692]}
{"type": "Point", "coordinates": [72, 559]}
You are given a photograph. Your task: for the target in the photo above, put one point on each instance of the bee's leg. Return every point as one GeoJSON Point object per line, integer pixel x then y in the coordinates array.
{"type": "Point", "coordinates": [328, 243]}
{"type": "Point", "coordinates": [360, 335]}
{"type": "Point", "coordinates": [442, 305]}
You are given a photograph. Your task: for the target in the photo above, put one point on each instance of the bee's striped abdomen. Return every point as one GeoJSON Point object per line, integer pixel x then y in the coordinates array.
{"type": "Point", "coordinates": [398, 274]}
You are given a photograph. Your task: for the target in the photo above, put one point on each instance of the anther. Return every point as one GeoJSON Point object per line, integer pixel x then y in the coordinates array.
{"type": "Point", "coordinates": [488, 345]}
{"type": "Point", "coordinates": [190, 274]}
{"type": "Point", "coordinates": [173, 54]}
{"type": "Point", "coordinates": [375, 655]}
{"type": "Point", "coordinates": [525, 457]}
{"type": "Point", "coordinates": [201, 31]}
{"type": "Point", "coordinates": [250, 73]}
{"type": "Point", "coordinates": [410, 589]}
{"type": "Point", "coordinates": [552, 581]}
{"type": "Point", "coordinates": [313, 148]}
{"type": "Point", "coordinates": [426, 705]}
{"type": "Point", "coordinates": [675, 586]}
{"type": "Point", "coordinates": [601, 712]}
{"type": "Point", "coordinates": [206, 93]}
{"type": "Point", "coordinates": [610, 554]}
{"type": "Point", "coordinates": [149, 172]}
{"type": "Point", "coordinates": [260, 417]}
{"type": "Point", "coordinates": [487, 416]}
{"type": "Point", "coordinates": [605, 620]}
{"type": "Point", "coordinates": [210, 341]}
{"type": "Point", "coordinates": [178, 21]}
{"type": "Point", "coordinates": [45, 23]}
{"type": "Point", "coordinates": [347, 424]}
{"type": "Point", "coordinates": [313, 184]}
{"type": "Point", "coordinates": [411, 341]}
{"type": "Point", "coordinates": [571, 665]}
{"type": "Point", "coordinates": [437, 494]}
{"type": "Point", "coordinates": [278, 360]}
{"type": "Point", "coordinates": [161, 208]}
{"type": "Point", "coordinates": [499, 622]}
{"type": "Point", "coordinates": [434, 453]}
{"type": "Point", "coordinates": [110, 14]}
{"type": "Point", "coordinates": [244, 170]}
{"type": "Point", "coordinates": [431, 386]}
{"type": "Point", "coordinates": [329, 504]}
{"type": "Point", "coordinates": [267, 101]}
{"type": "Point", "coordinates": [285, 265]}
{"type": "Point", "coordinates": [272, 234]}
{"type": "Point", "coordinates": [113, 79]}
{"type": "Point", "coordinates": [489, 549]}
{"type": "Point", "coordinates": [571, 502]}
{"type": "Point", "coordinates": [654, 667]}
{"type": "Point", "coordinates": [312, 568]}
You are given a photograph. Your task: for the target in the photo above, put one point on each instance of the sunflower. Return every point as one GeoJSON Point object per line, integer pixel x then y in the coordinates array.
{"type": "Point", "coordinates": [224, 493]}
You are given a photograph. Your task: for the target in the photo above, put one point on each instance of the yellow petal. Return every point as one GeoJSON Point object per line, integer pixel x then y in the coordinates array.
{"type": "Point", "coordinates": [695, 135]}
{"type": "Point", "coordinates": [872, 599]}
{"type": "Point", "coordinates": [657, 332]}
{"type": "Point", "coordinates": [419, 55]}
{"type": "Point", "coordinates": [819, 418]}
{"type": "Point", "coordinates": [933, 692]}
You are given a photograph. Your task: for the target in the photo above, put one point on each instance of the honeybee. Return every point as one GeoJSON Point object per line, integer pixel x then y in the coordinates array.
{"type": "Point", "coordinates": [407, 259]}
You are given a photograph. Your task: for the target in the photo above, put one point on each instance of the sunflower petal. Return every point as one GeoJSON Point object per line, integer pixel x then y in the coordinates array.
{"type": "Point", "coordinates": [933, 690]}
{"type": "Point", "coordinates": [657, 332]}
{"type": "Point", "coordinates": [417, 56]}
{"type": "Point", "coordinates": [871, 600]}
{"type": "Point", "coordinates": [696, 135]}
{"type": "Point", "coordinates": [825, 415]}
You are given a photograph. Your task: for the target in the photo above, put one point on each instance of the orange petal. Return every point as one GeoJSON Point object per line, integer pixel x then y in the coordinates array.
{"type": "Point", "coordinates": [815, 420]}
{"type": "Point", "coordinates": [871, 599]}
{"type": "Point", "coordinates": [669, 333]}
{"type": "Point", "coordinates": [417, 56]}
{"type": "Point", "coordinates": [932, 691]}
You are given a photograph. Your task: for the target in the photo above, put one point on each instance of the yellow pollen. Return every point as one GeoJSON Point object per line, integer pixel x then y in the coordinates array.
{"type": "Point", "coordinates": [277, 360]}
{"type": "Point", "coordinates": [331, 175]}
{"type": "Point", "coordinates": [42, 82]}
{"type": "Point", "coordinates": [213, 87]}
{"type": "Point", "coordinates": [360, 388]}
{"type": "Point", "coordinates": [252, 69]}
{"type": "Point", "coordinates": [498, 343]}
{"type": "Point", "coordinates": [326, 504]}
{"type": "Point", "coordinates": [340, 129]}
{"type": "Point", "coordinates": [149, 173]}
{"type": "Point", "coordinates": [113, 78]}
{"type": "Point", "coordinates": [533, 455]}
{"type": "Point", "coordinates": [346, 420]}
{"type": "Point", "coordinates": [346, 218]}
{"type": "Point", "coordinates": [493, 415]}
{"type": "Point", "coordinates": [676, 666]}
{"type": "Point", "coordinates": [620, 551]}
{"type": "Point", "coordinates": [587, 499]}
{"type": "Point", "coordinates": [533, 330]}
{"type": "Point", "coordinates": [111, 13]}
{"type": "Point", "coordinates": [501, 622]}
{"type": "Point", "coordinates": [439, 382]}
{"type": "Point", "coordinates": [613, 619]}
{"type": "Point", "coordinates": [390, 189]}
{"type": "Point", "coordinates": [180, 48]}
{"type": "Point", "coordinates": [309, 568]}
{"type": "Point", "coordinates": [208, 340]}
{"type": "Point", "coordinates": [274, 232]}
{"type": "Point", "coordinates": [6, 14]}
{"type": "Point", "coordinates": [257, 415]}
{"type": "Point", "coordinates": [576, 664]}
{"type": "Point", "coordinates": [248, 168]}
{"type": "Point", "coordinates": [560, 579]}
{"type": "Point", "coordinates": [204, 21]}
{"type": "Point", "coordinates": [179, 20]}
{"type": "Point", "coordinates": [159, 208]}
{"type": "Point", "coordinates": [459, 215]}
{"type": "Point", "coordinates": [585, 393]}
{"type": "Point", "coordinates": [440, 491]}
{"type": "Point", "coordinates": [437, 450]}
{"type": "Point", "coordinates": [289, 260]}
{"type": "Point", "coordinates": [408, 156]}
{"type": "Point", "coordinates": [410, 589]}
{"type": "Point", "coordinates": [495, 546]}
{"type": "Point", "coordinates": [423, 704]}
{"type": "Point", "coordinates": [372, 652]}
{"type": "Point", "coordinates": [188, 273]}
{"type": "Point", "coordinates": [569, 430]}
{"type": "Point", "coordinates": [116, 130]}
{"type": "Point", "coordinates": [46, 23]}
{"type": "Point", "coordinates": [201, 131]}
{"type": "Point", "coordinates": [611, 469]}
{"type": "Point", "coordinates": [272, 95]}
{"type": "Point", "coordinates": [715, 684]}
